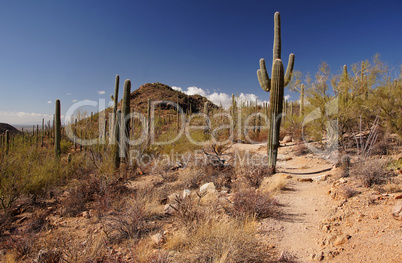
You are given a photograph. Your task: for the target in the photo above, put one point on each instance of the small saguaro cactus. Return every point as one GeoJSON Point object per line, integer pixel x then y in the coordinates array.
{"type": "Point", "coordinates": [301, 112]}
{"type": "Point", "coordinates": [149, 122]}
{"type": "Point", "coordinates": [57, 129]}
{"type": "Point", "coordinates": [7, 141]}
{"type": "Point", "coordinates": [114, 98]}
{"type": "Point", "coordinates": [276, 86]}
{"type": "Point", "coordinates": [206, 130]}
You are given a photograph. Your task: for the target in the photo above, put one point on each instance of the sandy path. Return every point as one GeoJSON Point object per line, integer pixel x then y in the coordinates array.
{"type": "Point", "coordinates": [303, 205]}
{"type": "Point", "coordinates": [297, 230]}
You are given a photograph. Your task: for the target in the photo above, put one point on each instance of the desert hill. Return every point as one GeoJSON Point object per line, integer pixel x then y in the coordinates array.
{"type": "Point", "coordinates": [161, 92]}
{"type": "Point", "coordinates": [6, 126]}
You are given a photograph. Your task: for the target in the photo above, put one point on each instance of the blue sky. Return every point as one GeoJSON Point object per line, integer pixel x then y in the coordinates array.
{"type": "Point", "coordinates": [72, 50]}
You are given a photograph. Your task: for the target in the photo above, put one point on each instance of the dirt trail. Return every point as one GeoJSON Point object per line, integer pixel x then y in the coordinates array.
{"type": "Point", "coordinates": [296, 232]}
{"type": "Point", "coordinates": [303, 205]}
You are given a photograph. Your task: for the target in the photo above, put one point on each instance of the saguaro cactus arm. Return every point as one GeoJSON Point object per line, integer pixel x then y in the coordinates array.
{"type": "Point", "coordinates": [263, 77]}
{"type": "Point", "coordinates": [289, 69]}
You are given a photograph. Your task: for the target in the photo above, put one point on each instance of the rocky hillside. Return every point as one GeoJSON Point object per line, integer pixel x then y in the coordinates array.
{"type": "Point", "coordinates": [158, 91]}
{"type": "Point", "coordinates": [6, 126]}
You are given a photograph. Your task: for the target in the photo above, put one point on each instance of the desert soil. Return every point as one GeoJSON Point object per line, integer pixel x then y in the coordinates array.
{"type": "Point", "coordinates": [317, 223]}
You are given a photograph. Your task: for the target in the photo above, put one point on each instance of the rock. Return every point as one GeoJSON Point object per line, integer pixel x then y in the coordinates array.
{"type": "Point", "coordinates": [305, 180]}
{"type": "Point", "coordinates": [186, 193]}
{"type": "Point", "coordinates": [343, 180]}
{"type": "Point", "coordinates": [86, 214]}
{"type": "Point", "coordinates": [207, 188]}
{"type": "Point", "coordinates": [157, 239]}
{"type": "Point", "coordinates": [172, 198]}
{"type": "Point", "coordinates": [342, 239]}
{"type": "Point", "coordinates": [323, 177]}
{"type": "Point", "coordinates": [287, 139]}
{"type": "Point", "coordinates": [398, 196]}
{"type": "Point", "coordinates": [48, 256]}
{"type": "Point", "coordinates": [397, 210]}
{"type": "Point", "coordinates": [326, 228]}
{"type": "Point", "coordinates": [318, 257]}
{"type": "Point", "coordinates": [170, 209]}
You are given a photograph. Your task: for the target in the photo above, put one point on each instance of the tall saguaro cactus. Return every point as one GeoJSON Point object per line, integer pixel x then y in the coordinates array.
{"type": "Point", "coordinates": [57, 129]}
{"type": "Point", "coordinates": [276, 86]}
{"type": "Point", "coordinates": [125, 113]}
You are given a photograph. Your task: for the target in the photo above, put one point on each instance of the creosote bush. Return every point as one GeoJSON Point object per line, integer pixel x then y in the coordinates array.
{"type": "Point", "coordinates": [371, 171]}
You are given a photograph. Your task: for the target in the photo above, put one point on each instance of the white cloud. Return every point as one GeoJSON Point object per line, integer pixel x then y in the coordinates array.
{"type": "Point", "coordinates": [68, 94]}
{"type": "Point", "coordinates": [74, 100]}
{"type": "Point", "coordinates": [220, 98]}
{"type": "Point", "coordinates": [23, 117]}
{"type": "Point", "coordinates": [195, 90]}
{"type": "Point", "coordinates": [287, 97]}
{"type": "Point", "coordinates": [49, 101]}
{"type": "Point", "coordinates": [177, 88]}
{"type": "Point", "coordinates": [101, 92]}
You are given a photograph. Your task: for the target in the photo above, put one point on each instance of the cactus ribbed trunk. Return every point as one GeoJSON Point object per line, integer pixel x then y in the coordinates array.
{"type": "Point", "coordinates": [57, 129]}
{"type": "Point", "coordinates": [125, 121]}
{"type": "Point", "coordinates": [115, 102]}
{"type": "Point", "coordinates": [276, 86]}
{"type": "Point", "coordinates": [301, 113]}
{"type": "Point", "coordinates": [116, 145]}
{"type": "Point", "coordinates": [7, 141]}
{"type": "Point", "coordinates": [149, 120]}
{"type": "Point", "coordinates": [274, 113]}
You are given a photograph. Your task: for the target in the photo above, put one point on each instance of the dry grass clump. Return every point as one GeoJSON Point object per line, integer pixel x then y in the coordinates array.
{"type": "Point", "coordinates": [391, 186]}
{"type": "Point", "coordinates": [274, 184]}
{"type": "Point", "coordinates": [300, 149]}
{"type": "Point", "coordinates": [192, 177]}
{"type": "Point", "coordinates": [70, 247]}
{"type": "Point", "coordinates": [250, 175]}
{"type": "Point", "coordinates": [129, 222]}
{"type": "Point", "coordinates": [371, 171]}
{"type": "Point", "coordinates": [252, 203]}
{"type": "Point", "coordinates": [226, 240]}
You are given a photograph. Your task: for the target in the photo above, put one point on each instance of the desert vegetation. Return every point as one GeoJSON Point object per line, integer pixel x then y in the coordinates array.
{"type": "Point", "coordinates": [105, 187]}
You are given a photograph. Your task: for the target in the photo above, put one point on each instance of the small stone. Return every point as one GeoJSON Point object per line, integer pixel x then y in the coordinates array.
{"type": "Point", "coordinates": [397, 210]}
{"type": "Point", "coordinates": [342, 239]}
{"type": "Point", "coordinates": [207, 188]}
{"type": "Point", "coordinates": [172, 198]}
{"type": "Point", "coordinates": [398, 196]}
{"type": "Point", "coordinates": [86, 214]}
{"type": "Point", "coordinates": [287, 139]}
{"type": "Point", "coordinates": [326, 227]}
{"type": "Point", "coordinates": [186, 193]}
{"type": "Point", "coordinates": [157, 239]}
{"type": "Point", "coordinates": [318, 257]}
{"type": "Point", "coordinates": [305, 180]}
{"type": "Point", "coordinates": [343, 180]}
{"type": "Point", "coordinates": [170, 209]}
